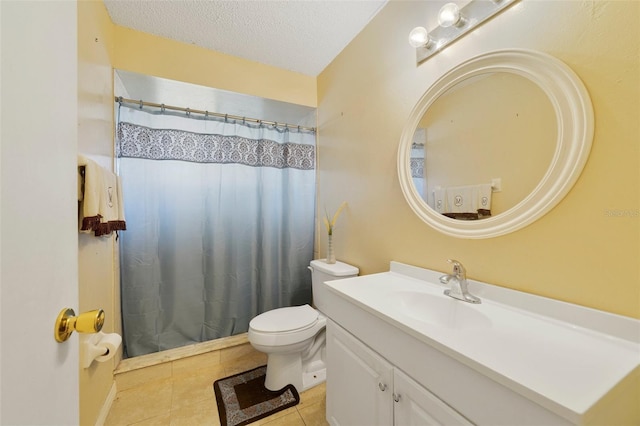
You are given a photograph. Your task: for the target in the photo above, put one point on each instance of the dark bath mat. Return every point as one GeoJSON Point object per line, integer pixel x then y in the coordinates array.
{"type": "Point", "coordinates": [242, 398]}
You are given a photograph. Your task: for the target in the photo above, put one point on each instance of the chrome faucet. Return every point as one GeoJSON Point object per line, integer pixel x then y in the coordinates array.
{"type": "Point", "coordinates": [458, 283]}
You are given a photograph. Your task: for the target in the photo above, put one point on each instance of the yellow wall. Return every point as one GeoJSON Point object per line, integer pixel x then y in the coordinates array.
{"type": "Point", "coordinates": [151, 55]}
{"type": "Point", "coordinates": [98, 274]}
{"type": "Point", "coordinates": [587, 249]}
{"type": "Point", "coordinates": [466, 147]}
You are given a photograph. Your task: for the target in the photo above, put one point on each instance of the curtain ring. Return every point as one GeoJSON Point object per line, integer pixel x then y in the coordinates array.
{"type": "Point", "coordinates": [244, 120]}
{"type": "Point", "coordinates": [120, 100]}
{"type": "Point", "coordinates": [226, 118]}
{"type": "Point", "coordinates": [188, 112]}
{"type": "Point", "coordinates": [298, 128]}
{"type": "Point", "coordinates": [141, 103]}
{"type": "Point", "coordinates": [162, 108]}
{"type": "Point", "coordinates": [206, 114]}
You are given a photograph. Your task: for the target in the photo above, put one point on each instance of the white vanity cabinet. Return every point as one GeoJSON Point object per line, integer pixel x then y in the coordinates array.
{"type": "Point", "coordinates": [514, 359]}
{"type": "Point", "coordinates": [359, 383]}
{"type": "Point", "coordinates": [364, 389]}
{"type": "Point", "coordinates": [415, 405]}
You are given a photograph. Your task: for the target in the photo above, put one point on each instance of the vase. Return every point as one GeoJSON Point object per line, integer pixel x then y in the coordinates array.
{"type": "Point", "coordinates": [331, 256]}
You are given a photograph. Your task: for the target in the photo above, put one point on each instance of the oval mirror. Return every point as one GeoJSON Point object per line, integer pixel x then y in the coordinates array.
{"type": "Point", "coordinates": [495, 143]}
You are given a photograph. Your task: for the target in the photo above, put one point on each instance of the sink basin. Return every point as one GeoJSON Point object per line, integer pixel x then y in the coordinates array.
{"type": "Point", "coordinates": [439, 310]}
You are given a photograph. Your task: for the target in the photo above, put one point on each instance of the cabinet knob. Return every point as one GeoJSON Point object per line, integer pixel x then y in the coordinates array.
{"type": "Point", "coordinates": [396, 397]}
{"type": "Point", "coordinates": [382, 386]}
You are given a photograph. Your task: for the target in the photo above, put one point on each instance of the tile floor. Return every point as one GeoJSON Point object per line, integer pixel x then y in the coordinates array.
{"type": "Point", "coordinates": [180, 392]}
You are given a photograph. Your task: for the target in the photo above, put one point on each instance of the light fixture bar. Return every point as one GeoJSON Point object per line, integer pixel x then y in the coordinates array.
{"type": "Point", "coordinates": [475, 13]}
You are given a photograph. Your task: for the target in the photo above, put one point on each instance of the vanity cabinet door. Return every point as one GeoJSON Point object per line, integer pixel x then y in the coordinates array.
{"type": "Point", "coordinates": [359, 382]}
{"type": "Point", "coordinates": [415, 405]}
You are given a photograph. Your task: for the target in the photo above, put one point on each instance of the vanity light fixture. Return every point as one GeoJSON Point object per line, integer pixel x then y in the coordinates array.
{"type": "Point", "coordinates": [419, 36]}
{"type": "Point", "coordinates": [454, 22]}
{"type": "Point", "coordinates": [449, 15]}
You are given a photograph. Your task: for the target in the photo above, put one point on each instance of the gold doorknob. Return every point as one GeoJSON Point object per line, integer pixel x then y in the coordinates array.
{"type": "Point", "coordinates": [67, 323]}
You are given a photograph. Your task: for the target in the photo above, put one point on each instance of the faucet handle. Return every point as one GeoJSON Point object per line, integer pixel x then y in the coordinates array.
{"type": "Point", "coordinates": [458, 269]}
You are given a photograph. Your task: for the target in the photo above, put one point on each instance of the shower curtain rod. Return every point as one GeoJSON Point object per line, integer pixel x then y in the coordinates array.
{"type": "Point", "coordinates": [141, 103]}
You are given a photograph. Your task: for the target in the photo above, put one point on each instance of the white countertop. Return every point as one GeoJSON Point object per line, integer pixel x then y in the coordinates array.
{"type": "Point", "coordinates": [529, 345]}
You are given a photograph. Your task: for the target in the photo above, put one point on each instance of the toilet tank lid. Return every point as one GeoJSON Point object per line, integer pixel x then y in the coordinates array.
{"type": "Point", "coordinates": [338, 269]}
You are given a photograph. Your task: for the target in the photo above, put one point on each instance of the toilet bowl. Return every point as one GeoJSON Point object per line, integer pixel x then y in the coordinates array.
{"type": "Point", "coordinates": [294, 337]}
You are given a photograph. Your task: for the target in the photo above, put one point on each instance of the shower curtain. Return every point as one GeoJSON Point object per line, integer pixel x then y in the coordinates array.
{"type": "Point", "coordinates": [220, 222]}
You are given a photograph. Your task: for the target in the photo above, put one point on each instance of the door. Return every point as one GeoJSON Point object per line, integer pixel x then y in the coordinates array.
{"type": "Point", "coordinates": [38, 211]}
{"type": "Point", "coordinates": [415, 405]}
{"type": "Point", "coordinates": [359, 382]}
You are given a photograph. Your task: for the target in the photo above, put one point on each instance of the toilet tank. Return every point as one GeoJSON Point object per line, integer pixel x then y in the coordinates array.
{"type": "Point", "coordinates": [322, 272]}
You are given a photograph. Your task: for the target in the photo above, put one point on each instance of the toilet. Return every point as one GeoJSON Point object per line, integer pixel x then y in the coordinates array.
{"type": "Point", "coordinates": [294, 337]}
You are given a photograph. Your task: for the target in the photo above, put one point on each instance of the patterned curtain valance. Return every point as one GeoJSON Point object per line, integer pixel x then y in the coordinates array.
{"type": "Point", "coordinates": [136, 141]}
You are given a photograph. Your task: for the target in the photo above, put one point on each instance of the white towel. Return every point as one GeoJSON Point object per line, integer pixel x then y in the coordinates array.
{"type": "Point", "coordinates": [440, 200]}
{"type": "Point", "coordinates": [484, 199]}
{"type": "Point", "coordinates": [465, 202]}
{"type": "Point", "coordinates": [101, 211]}
{"type": "Point", "coordinates": [462, 199]}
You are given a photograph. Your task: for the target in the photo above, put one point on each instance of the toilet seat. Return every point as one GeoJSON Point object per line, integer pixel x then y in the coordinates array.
{"type": "Point", "coordinates": [286, 326]}
{"type": "Point", "coordinates": [285, 319]}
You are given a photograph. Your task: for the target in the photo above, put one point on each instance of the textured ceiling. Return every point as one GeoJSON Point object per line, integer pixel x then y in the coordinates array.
{"type": "Point", "coordinates": [297, 35]}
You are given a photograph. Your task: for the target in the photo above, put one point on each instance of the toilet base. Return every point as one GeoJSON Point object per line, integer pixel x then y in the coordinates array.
{"type": "Point", "coordinates": [315, 378]}
{"type": "Point", "coordinates": [283, 369]}
{"type": "Point", "coordinates": [286, 369]}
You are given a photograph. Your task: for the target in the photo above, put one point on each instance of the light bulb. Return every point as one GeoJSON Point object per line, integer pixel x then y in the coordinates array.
{"type": "Point", "coordinates": [418, 37]}
{"type": "Point", "coordinates": [449, 15]}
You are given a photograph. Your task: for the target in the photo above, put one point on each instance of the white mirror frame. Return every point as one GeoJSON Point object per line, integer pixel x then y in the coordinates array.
{"type": "Point", "coordinates": [574, 113]}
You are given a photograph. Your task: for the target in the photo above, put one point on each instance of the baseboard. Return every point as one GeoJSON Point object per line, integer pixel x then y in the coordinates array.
{"type": "Point", "coordinates": [106, 407]}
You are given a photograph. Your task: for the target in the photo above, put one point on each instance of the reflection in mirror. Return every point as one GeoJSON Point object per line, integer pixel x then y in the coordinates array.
{"type": "Point", "coordinates": [491, 126]}
{"type": "Point", "coordinates": [519, 117]}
